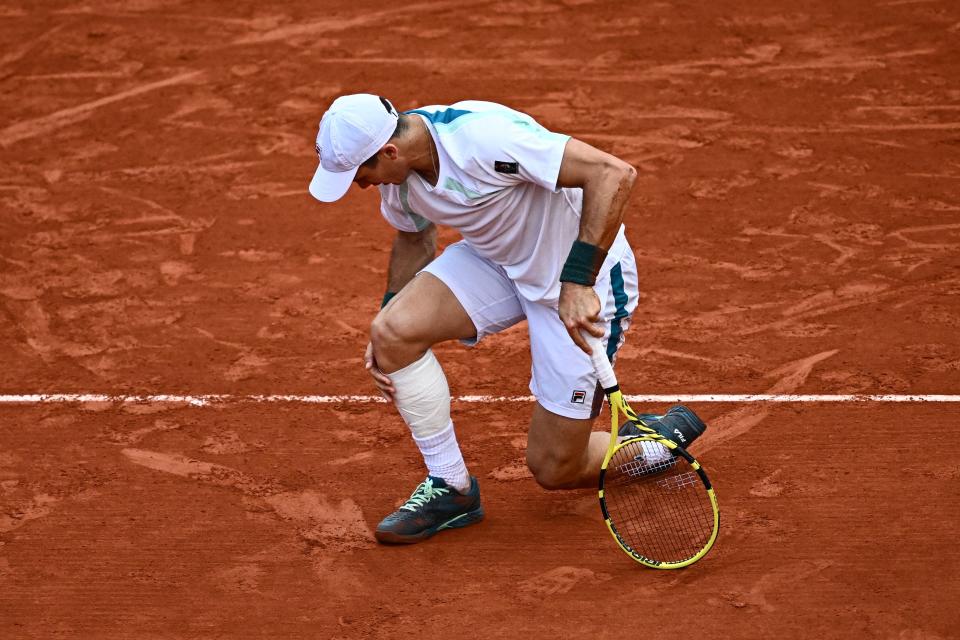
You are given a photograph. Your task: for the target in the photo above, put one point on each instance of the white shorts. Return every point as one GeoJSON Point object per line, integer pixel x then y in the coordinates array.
{"type": "Point", "coordinates": [562, 379]}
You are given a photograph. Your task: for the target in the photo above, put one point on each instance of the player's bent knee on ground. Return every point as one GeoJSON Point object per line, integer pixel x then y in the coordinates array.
{"type": "Point", "coordinates": [553, 473]}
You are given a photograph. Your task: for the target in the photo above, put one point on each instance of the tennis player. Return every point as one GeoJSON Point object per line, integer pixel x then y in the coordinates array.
{"type": "Point", "coordinates": [540, 216]}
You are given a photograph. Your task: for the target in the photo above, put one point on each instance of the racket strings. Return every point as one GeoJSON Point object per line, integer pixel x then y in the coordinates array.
{"type": "Point", "coordinates": [658, 530]}
{"type": "Point", "coordinates": [661, 510]}
{"type": "Point", "coordinates": [644, 466]}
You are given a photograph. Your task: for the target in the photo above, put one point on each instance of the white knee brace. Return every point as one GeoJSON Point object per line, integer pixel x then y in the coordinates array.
{"type": "Point", "coordinates": [423, 396]}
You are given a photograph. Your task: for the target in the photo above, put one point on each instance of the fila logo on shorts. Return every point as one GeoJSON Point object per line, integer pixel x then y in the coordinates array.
{"type": "Point", "coordinates": [578, 397]}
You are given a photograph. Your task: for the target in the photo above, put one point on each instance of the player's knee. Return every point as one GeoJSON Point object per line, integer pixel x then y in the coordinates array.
{"type": "Point", "coordinates": [392, 330]}
{"type": "Point", "coordinates": [552, 473]}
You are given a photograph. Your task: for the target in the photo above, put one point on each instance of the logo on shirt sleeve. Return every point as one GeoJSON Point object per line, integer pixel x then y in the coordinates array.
{"type": "Point", "coordinates": [501, 166]}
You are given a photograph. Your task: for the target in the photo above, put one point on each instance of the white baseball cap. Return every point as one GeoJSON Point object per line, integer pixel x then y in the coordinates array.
{"type": "Point", "coordinates": [353, 129]}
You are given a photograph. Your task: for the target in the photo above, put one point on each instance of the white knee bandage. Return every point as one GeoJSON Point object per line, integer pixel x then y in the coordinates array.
{"type": "Point", "coordinates": [423, 396]}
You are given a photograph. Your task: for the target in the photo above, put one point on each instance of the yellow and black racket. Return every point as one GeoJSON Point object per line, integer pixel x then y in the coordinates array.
{"type": "Point", "coordinates": [655, 497]}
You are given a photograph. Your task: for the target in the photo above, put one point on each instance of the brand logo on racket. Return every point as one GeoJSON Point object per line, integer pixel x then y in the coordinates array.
{"type": "Point", "coordinates": [578, 397]}
{"type": "Point", "coordinates": [680, 435]}
{"type": "Point", "coordinates": [626, 547]}
{"type": "Point", "coordinates": [636, 555]}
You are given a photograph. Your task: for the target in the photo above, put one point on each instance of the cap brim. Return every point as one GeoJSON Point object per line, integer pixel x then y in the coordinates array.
{"type": "Point", "coordinates": [328, 186]}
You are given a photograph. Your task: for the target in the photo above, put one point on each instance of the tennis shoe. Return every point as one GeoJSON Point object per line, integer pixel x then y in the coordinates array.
{"type": "Point", "coordinates": [679, 424]}
{"type": "Point", "coordinates": [433, 507]}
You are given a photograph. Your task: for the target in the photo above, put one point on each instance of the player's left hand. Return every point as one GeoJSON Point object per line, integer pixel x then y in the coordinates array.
{"type": "Point", "coordinates": [381, 379]}
{"type": "Point", "coordinates": [580, 311]}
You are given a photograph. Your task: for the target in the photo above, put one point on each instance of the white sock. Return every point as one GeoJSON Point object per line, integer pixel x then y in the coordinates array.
{"type": "Point", "coordinates": [655, 453]}
{"type": "Point", "coordinates": [444, 460]}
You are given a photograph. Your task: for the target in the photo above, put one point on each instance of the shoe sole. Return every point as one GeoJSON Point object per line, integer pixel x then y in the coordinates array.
{"type": "Point", "coordinates": [463, 520]}
{"type": "Point", "coordinates": [643, 418]}
{"type": "Point", "coordinates": [695, 426]}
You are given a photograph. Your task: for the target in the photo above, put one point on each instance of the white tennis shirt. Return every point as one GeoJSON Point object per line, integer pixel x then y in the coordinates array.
{"type": "Point", "coordinates": [497, 187]}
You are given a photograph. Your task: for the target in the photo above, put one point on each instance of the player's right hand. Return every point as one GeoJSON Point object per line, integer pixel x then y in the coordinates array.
{"type": "Point", "coordinates": [579, 310]}
{"type": "Point", "coordinates": [382, 380]}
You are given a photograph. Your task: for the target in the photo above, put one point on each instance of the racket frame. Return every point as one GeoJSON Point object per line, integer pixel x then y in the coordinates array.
{"type": "Point", "coordinates": [618, 406]}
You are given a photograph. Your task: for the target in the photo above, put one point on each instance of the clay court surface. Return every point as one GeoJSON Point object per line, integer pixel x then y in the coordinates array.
{"type": "Point", "coordinates": [796, 222]}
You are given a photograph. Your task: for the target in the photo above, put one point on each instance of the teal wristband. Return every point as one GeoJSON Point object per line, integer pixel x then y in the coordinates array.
{"type": "Point", "coordinates": [387, 297]}
{"type": "Point", "coordinates": [583, 264]}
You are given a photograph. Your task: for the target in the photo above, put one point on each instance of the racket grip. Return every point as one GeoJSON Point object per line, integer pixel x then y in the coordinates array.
{"type": "Point", "coordinates": [601, 364]}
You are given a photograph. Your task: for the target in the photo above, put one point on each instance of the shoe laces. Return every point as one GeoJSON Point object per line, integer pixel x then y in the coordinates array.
{"type": "Point", "coordinates": [423, 494]}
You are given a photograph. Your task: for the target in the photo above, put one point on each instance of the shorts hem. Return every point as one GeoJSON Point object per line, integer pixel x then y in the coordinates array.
{"type": "Point", "coordinates": [459, 292]}
{"type": "Point", "coordinates": [585, 413]}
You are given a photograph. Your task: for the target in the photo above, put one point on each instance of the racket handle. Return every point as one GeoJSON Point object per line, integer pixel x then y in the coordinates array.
{"type": "Point", "coordinates": [601, 364]}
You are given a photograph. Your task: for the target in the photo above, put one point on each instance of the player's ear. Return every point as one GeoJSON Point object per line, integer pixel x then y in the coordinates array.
{"type": "Point", "coordinates": [390, 151]}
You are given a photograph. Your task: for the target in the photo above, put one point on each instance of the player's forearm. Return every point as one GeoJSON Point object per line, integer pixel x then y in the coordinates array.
{"type": "Point", "coordinates": [411, 252]}
{"type": "Point", "coordinates": [605, 195]}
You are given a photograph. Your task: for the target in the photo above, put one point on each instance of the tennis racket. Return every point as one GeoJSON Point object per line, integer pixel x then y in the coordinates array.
{"type": "Point", "coordinates": [656, 499]}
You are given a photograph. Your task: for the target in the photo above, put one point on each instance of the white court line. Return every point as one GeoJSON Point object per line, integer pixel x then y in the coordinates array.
{"type": "Point", "coordinates": [212, 399]}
